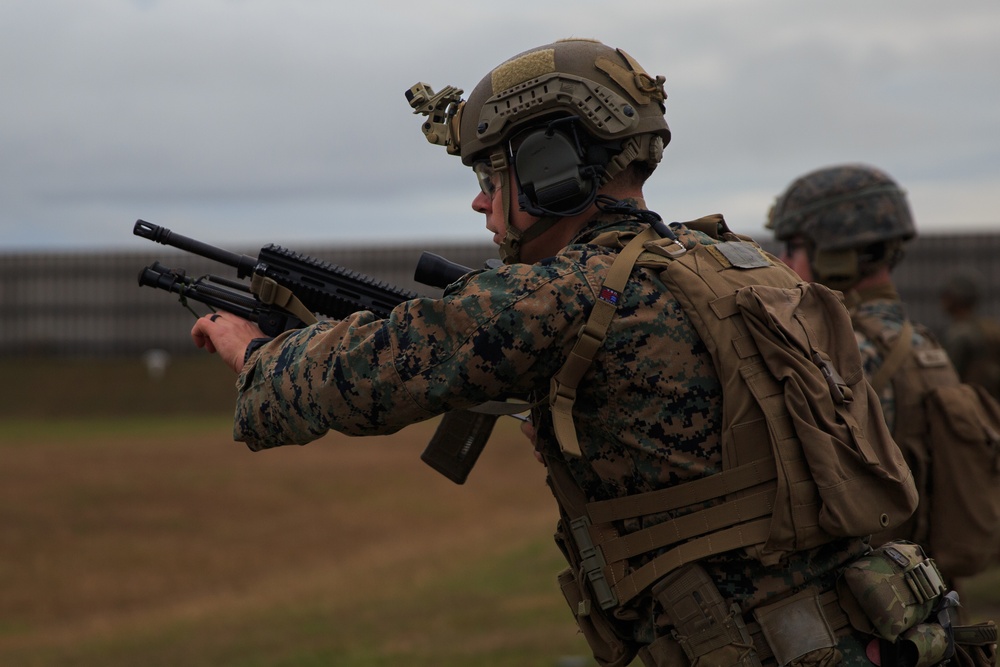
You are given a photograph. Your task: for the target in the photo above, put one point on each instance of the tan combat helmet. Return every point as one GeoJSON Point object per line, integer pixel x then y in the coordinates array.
{"type": "Point", "coordinates": [569, 116]}
{"type": "Point", "coordinates": [854, 217]}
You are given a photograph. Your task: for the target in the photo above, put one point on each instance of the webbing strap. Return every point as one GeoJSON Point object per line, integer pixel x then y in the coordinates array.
{"type": "Point", "coordinates": [743, 535]}
{"type": "Point", "coordinates": [701, 522]}
{"type": "Point", "coordinates": [271, 293]}
{"type": "Point", "coordinates": [572, 503]}
{"type": "Point", "coordinates": [591, 336]}
{"type": "Point", "coordinates": [688, 493]}
{"type": "Point", "coordinates": [895, 359]}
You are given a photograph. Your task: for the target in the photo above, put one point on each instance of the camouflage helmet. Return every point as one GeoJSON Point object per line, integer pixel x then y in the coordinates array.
{"type": "Point", "coordinates": [841, 211]}
{"type": "Point", "coordinates": [605, 88]}
{"type": "Point", "coordinates": [846, 206]}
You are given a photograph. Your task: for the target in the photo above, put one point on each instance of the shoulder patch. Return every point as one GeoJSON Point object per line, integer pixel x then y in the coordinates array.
{"type": "Point", "coordinates": [739, 255]}
{"type": "Point", "coordinates": [932, 358]}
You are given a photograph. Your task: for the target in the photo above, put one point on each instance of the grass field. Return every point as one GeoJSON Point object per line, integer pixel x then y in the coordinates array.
{"type": "Point", "coordinates": [135, 532]}
{"type": "Point", "coordinates": [162, 543]}
{"type": "Point", "coordinates": [148, 539]}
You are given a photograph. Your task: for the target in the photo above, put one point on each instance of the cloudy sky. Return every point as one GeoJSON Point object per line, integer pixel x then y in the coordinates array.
{"type": "Point", "coordinates": [248, 121]}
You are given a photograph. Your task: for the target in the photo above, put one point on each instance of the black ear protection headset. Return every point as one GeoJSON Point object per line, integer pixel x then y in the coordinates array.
{"type": "Point", "coordinates": [557, 174]}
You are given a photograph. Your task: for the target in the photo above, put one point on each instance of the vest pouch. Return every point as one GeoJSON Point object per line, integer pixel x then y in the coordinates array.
{"type": "Point", "coordinates": [608, 648]}
{"type": "Point", "coordinates": [805, 339]}
{"type": "Point", "coordinates": [711, 633]}
{"type": "Point", "coordinates": [964, 523]}
{"type": "Point", "coordinates": [664, 652]}
{"type": "Point", "coordinates": [890, 590]}
{"type": "Point", "coordinates": [798, 632]}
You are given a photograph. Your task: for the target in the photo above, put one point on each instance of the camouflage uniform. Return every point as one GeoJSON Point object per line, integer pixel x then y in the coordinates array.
{"type": "Point", "coordinates": [648, 413]}
{"type": "Point", "coordinates": [884, 306]}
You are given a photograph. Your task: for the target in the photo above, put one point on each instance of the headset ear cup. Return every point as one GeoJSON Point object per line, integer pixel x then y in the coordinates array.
{"type": "Point", "coordinates": [551, 173]}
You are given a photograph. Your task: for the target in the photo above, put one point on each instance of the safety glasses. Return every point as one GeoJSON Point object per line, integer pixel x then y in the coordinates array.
{"type": "Point", "coordinates": [488, 178]}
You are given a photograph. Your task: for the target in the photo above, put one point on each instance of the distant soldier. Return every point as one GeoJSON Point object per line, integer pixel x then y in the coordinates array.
{"type": "Point", "coordinates": [845, 226]}
{"type": "Point", "coordinates": [972, 340]}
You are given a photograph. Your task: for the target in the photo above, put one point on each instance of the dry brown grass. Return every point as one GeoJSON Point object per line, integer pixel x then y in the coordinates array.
{"type": "Point", "coordinates": [123, 530]}
{"type": "Point", "coordinates": [136, 538]}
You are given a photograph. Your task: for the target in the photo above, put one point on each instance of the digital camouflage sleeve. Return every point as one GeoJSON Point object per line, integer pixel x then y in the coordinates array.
{"type": "Point", "coordinates": [500, 332]}
{"type": "Point", "coordinates": [651, 402]}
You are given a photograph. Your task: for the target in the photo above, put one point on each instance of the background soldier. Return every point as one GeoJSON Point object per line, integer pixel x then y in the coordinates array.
{"type": "Point", "coordinates": [972, 340]}
{"type": "Point", "coordinates": [666, 504]}
{"type": "Point", "coordinates": [845, 226]}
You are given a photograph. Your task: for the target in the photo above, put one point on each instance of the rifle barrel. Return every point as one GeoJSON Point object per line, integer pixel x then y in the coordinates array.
{"type": "Point", "coordinates": [244, 264]}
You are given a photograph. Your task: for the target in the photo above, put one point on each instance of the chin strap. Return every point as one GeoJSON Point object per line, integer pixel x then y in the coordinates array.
{"type": "Point", "coordinates": [510, 248]}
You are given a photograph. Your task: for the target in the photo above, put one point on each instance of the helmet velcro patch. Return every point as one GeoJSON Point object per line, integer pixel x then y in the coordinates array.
{"type": "Point", "coordinates": [523, 68]}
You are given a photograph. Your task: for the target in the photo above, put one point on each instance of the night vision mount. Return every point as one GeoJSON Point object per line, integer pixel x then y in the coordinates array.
{"type": "Point", "coordinates": [442, 110]}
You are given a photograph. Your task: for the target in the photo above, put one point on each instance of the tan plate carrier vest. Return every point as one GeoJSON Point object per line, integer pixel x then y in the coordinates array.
{"type": "Point", "coordinates": [949, 433]}
{"type": "Point", "coordinates": [776, 343]}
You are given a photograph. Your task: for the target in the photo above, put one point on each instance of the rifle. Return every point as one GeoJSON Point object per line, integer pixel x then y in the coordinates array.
{"type": "Point", "coordinates": [288, 289]}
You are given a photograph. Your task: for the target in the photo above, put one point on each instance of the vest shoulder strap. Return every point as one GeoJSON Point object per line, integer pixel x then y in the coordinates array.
{"type": "Point", "coordinates": [590, 338]}
{"type": "Point", "coordinates": [895, 359]}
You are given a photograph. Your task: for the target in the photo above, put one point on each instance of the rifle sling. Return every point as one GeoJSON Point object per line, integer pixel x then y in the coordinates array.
{"type": "Point", "coordinates": [501, 408]}
{"type": "Point", "coordinates": [273, 294]}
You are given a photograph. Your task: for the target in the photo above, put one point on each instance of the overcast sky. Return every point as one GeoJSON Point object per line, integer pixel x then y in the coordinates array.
{"type": "Point", "coordinates": [248, 121]}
